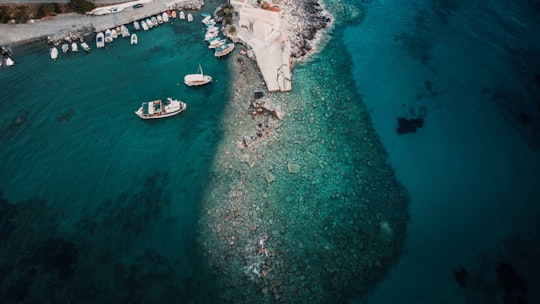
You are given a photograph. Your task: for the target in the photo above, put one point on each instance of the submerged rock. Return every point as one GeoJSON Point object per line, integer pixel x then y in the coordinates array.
{"type": "Point", "coordinates": [293, 168]}
{"type": "Point", "coordinates": [409, 125]}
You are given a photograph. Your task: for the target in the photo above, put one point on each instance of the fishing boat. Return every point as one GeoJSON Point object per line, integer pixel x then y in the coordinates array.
{"type": "Point", "coordinates": [100, 40]}
{"type": "Point", "coordinates": [197, 79]}
{"type": "Point", "coordinates": [215, 42]}
{"type": "Point", "coordinates": [54, 53]}
{"type": "Point", "coordinates": [10, 62]}
{"type": "Point", "coordinates": [108, 36]}
{"type": "Point", "coordinates": [165, 17]}
{"type": "Point", "coordinates": [134, 39]}
{"type": "Point", "coordinates": [85, 47]}
{"type": "Point", "coordinates": [158, 109]}
{"type": "Point", "coordinates": [149, 23]}
{"type": "Point", "coordinates": [124, 31]}
{"type": "Point", "coordinates": [114, 35]}
{"type": "Point", "coordinates": [182, 15]}
{"type": "Point", "coordinates": [223, 50]}
{"type": "Point", "coordinates": [144, 25]}
{"type": "Point", "coordinates": [136, 25]}
{"type": "Point", "coordinates": [74, 47]}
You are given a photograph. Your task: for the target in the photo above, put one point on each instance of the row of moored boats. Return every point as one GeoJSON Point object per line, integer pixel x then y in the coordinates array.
{"type": "Point", "coordinates": [220, 45]}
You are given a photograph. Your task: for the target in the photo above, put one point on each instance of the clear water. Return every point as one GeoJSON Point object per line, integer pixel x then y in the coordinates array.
{"type": "Point", "coordinates": [100, 206]}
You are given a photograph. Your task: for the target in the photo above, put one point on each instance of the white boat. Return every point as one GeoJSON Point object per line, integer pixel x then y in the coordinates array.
{"type": "Point", "coordinates": [114, 35]}
{"type": "Point", "coordinates": [210, 35]}
{"type": "Point", "coordinates": [159, 19]}
{"type": "Point", "coordinates": [149, 23]}
{"type": "Point", "coordinates": [197, 79]}
{"type": "Point", "coordinates": [158, 109]}
{"type": "Point", "coordinates": [223, 50]}
{"type": "Point", "coordinates": [144, 25]}
{"type": "Point", "coordinates": [74, 47]}
{"type": "Point", "coordinates": [10, 62]}
{"type": "Point", "coordinates": [65, 48]}
{"type": "Point", "coordinates": [154, 21]}
{"type": "Point", "coordinates": [134, 39]}
{"type": "Point", "coordinates": [165, 17]}
{"type": "Point", "coordinates": [108, 36]}
{"type": "Point", "coordinates": [189, 18]}
{"type": "Point", "coordinates": [100, 40]}
{"type": "Point", "coordinates": [215, 42]}
{"type": "Point", "coordinates": [182, 15]}
{"type": "Point", "coordinates": [54, 53]}
{"type": "Point", "coordinates": [205, 19]}
{"type": "Point", "coordinates": [124, 31]}
{"type": "Point", "coordinates": [212, 28]}
{"type": "Point", "coordinates": [136, 25]}
{"type": "Point", "coordinates": [85, 47]}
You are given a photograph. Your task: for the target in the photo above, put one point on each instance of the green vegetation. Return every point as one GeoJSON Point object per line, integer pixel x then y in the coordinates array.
{"type": "Point", "coordinates": [81, 6]}
{"type": "Point", "coordinates": [46, 9]}
{"type": "Point", "coordinates": [232, 30]}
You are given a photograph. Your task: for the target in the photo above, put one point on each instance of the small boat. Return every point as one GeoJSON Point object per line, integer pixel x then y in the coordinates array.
{"type": "Point", "coordinates": [206, 19]}
{"type": "Point", "coordinates": [134, 39]}
{"type": "Point", "coordinates": [144, 25]}
{"type": "Point", "coordinates": [223, 50]}
{"type": "Point", "coordinates": [124, 31]}
{"type": "Point", "coordinates": [114, 35]}
{"type": "Point", "coordinates": [85, 47]}
{"type": "Point", "coordinates": [74, 47]}
{"type": "Point", "coordinates": [165, 17]}
{"type": "Point", "coordinates": [136, 25]}
{"type": "Point", "coordinates": [149, 23]}
{"type": "Point", "coordinates": [54, 53]}
{"type": "Point", "coordinates": [210, 35]}
{"type": "Point", "coordinates": [158, 109]}
{"type": "Point", "coordinates": [182, 15]}
{"type": "Point", "coordinates": [204, 15]}
{"type": "Point", "coordinates": [197, 79]}
{"type": "Point", "coordinates": [154, 21]}
{"type": "Point", "coordinates": [189, 18]}
{"type": "Point", "coordinates": [173, 14]}
{"type": "Point", "coordinates": [100, 40]}
{"type": "Point", "coordinates": [10, 62]}
{"type": "Point", "coordinates": [108, 36]}
{"type": "Point", "coordinates": [65, 48]}
{"type": "Point", "coordinates": [159, 19]}
{"type": "Point", "coordinates": [212, 28]}
{"type": "Point", "coordinates": [215, 42]}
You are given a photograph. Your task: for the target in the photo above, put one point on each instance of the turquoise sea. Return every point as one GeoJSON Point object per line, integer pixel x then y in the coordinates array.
{"type": "Point", "coordinates": [98, 206]}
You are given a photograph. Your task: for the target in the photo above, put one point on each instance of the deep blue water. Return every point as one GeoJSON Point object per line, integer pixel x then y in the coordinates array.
{"type": "Point", "coordinates": [470, 71]}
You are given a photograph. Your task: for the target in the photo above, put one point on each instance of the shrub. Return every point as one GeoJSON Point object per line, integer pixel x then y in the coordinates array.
{"type": "Point", "coordinates": [81, 6]}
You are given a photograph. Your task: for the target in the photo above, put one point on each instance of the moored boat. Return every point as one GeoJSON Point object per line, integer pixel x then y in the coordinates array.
{"type": "Point", "coordinates": [134, 39]}
{"type": "Point", "coordinates": [165, 17]}
{"type": "Point", "coordinates": [108, 36]}
{"type": "Point", "coordinates": [74, 47]}
{"type": "Point", "coordinates": [158, 109]}
{"type": "Point", "coordinates": [100, 40]}
{"type": "Point", "coordinates": [189, 17]}
{"type": "Point", "coordinates": [159, 19]}
{"type": "Point", "coordinates": [124, 31]}
{"type": "Point", "coordinates": [9, 61]}
{"type": "Point", "coordinates": [173, 14]}
{"type": "Point", "coordinates": [136, 25]}
{"type": "Point", "coordinates": [223, 50]}
{"type": "Point", "coordinates": [154, 21]}
{"type": "Point", "coordinates": [54, 53]}
{"type": "Point", "coordinates": [215, 42]}
{"type": "Point", "coordinates": [65, 48]}
{"type": "Point", "coordinates": [114, 35]}
{"type": "Point", "coordinates": [182, 15]}
{"type": "Point", "coordinates": [197, 79]}
{"type": "Point", "coordinates": [209, 35]}
{"type": "Point", "coordinates": [149, 23]}
{"type": "Point", "coordinates": [144, 25]}
{"type": "Point", "coordinates": [85, 47]}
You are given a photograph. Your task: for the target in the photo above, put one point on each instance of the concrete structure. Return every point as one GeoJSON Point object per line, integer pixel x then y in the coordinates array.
{"type": "Point", "coordinates": [261, 30]}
